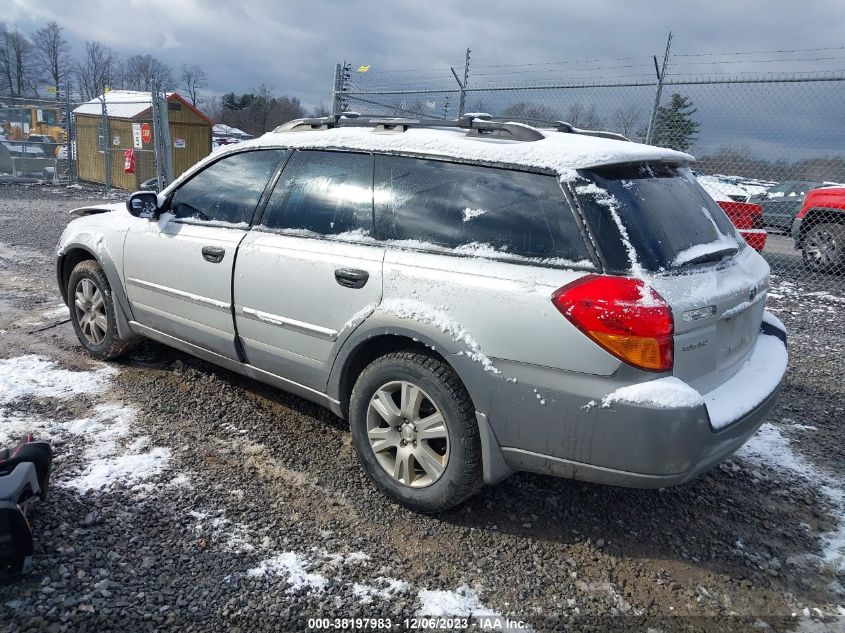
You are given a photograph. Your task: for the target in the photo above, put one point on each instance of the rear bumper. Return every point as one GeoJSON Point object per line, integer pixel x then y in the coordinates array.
{"type": "Point", "coordinates": [633, 445]}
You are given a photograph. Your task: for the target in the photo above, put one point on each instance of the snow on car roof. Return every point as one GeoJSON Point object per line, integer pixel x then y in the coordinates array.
{"type": "Point", "coordinates": [559, 152]}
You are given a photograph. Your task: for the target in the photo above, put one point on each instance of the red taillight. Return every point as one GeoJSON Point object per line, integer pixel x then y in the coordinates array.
{"type": "Point", "coordinates": [624, 316]}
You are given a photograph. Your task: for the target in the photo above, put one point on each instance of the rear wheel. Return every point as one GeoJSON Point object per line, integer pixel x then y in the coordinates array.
{"type": "Point", "coordinates": [413, 426]}
{"type": "Point", "coordinates": [824, 248]}
{"type": "Point", "coordinates": [92, 312]}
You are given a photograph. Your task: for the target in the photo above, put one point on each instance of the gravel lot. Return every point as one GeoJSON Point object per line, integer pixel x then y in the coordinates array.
{"type": "Point", "coordinates": [229, 505]}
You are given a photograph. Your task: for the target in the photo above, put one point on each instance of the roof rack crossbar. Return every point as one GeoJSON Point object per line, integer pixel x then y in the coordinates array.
{"type": "Point", "coordinates": [563, 126]}
{"type": "Point", "coordinates": [477, 125]}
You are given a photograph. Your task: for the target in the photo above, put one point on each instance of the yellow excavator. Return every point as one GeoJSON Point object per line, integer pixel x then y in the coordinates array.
{"type": "Point", "coordinates": [23, 121]}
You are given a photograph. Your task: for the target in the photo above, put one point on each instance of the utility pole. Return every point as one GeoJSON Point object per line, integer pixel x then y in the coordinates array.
{"type": "Point", "coordinates": [661, 74]}
{"type": "Point", "coordinates": [462, 84]}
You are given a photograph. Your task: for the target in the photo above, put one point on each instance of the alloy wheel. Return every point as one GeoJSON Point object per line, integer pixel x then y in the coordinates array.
{"type": "Point", "coordinates": [821, 248]}
{"type": "Point", "coordinates": [407, 433]}
{"type": "Point", "coordinates": [90, 311]}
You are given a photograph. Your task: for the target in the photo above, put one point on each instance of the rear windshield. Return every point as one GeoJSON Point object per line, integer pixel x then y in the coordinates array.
{"type": "Point", "coordinates": [655, 217]}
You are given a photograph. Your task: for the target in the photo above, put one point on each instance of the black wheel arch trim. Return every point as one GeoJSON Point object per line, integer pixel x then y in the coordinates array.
{"type": "Point", "coordinates": [471, 374]}
{"type": "Point", "coordinates": [123, 313]}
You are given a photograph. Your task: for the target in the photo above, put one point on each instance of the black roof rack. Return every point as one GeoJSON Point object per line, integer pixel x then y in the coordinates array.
{"type": "Point", "coordinates": [476, 125]}
{"type": "Point", "coordinates": [563, 126]}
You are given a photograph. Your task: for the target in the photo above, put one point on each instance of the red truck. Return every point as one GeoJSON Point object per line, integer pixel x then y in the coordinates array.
{"type": "Point", "coordinates": [747, 217]}
{"type": "Point", "coordinates": [819, 230]}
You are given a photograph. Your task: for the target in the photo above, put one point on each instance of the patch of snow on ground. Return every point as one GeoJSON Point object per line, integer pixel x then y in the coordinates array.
{"type": "Point", "coordinates": [233, 537]}
{"type": "Point", "coordinates": [383, 588]}
{"type": "Point", "coordinates": [461, 602]}
{"type": "Point", "coordinates": [39, 377]}
{"type": "Point", "coordinates": [295, 570]}
{"type": "Point", "coordinates": [769, 448]}
{"type": "Point", "coordinates": [104, 431]}
{"type": "Point", "coordinates": [129, 467]}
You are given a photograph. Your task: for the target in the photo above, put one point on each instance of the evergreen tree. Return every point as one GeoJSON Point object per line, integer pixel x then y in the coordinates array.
{"type": "Point", "coordinates": [674, 126]}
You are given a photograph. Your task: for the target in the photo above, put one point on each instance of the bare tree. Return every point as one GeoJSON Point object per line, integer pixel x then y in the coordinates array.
{"type": "Point", "coordinates": [479, 105]}
{"type": "Point", "coordinates": [627, 120]}
{"type": "Point", "coordinates": [96, 71]}
{"type": "Point", "coordinates": [587, 117]}
{"type": "Point", "coordinates": [5, 61]}
{"type": "Point", "coordinates": [16, 57]}
{"type": "Point", "coordinates": [531, 112]}
{"type": "Point", "coordinates": [141, 71]}
{"type": "Point", "coordinates": [320, 111]}
{"type": "Point", "coordinates": [51, 50]}
{"type": "Point", "coordinates": [193, 80]}
{"type": "Point", "coordinates": [212, 108]}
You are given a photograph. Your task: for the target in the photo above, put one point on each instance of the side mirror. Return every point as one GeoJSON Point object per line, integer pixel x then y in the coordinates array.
{"type": "Point", "coordinates": [143, 204]}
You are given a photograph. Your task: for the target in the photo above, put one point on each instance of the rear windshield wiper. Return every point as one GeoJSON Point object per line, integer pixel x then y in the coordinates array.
{"type": "Point", "coordinates": [713, 256]}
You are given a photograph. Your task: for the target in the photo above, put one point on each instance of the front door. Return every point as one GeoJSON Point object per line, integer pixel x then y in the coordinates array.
{"type": "Point", "coordinates": [310, 271]}
{"type": "Point", "coordinates": [178, 269]}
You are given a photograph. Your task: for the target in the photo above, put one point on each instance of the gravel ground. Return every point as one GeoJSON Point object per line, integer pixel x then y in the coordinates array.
{"type": "Point", "coordinates": [230, 505]}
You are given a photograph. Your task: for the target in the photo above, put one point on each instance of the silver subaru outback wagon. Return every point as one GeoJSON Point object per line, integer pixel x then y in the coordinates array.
{"type": "Point", "coordinates": [475, 297]}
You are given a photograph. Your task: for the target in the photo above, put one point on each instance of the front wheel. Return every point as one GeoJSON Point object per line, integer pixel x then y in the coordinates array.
{"type": "Point", "coordinates": [824, 248]}
{"type": "Point", "coordinates": [413, 426]}
{"type": "Point", "coordinates": [92, 312]}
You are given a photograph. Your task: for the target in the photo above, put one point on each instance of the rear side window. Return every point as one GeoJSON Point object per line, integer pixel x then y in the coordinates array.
{"type": "Point", "coordinates": [227, 190]}
{"type": "Point", "coordinates": [476, 210]}
{"type": "Point", "coordinates": [324, 193]}
{"type": "Point", "coordinates": [658, 216]}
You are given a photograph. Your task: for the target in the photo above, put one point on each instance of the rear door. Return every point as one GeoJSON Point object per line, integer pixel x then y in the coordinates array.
{"type": "Point", "coordinates": [676, 238]}
{"type": "Point", "coordinates": [310, 270]}
{"type": "Point", "coordinates": [178, 269]}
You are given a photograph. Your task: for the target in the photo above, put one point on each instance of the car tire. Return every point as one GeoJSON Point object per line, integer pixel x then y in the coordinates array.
{"type": "Point", "coordinates": [452, 449]}
{"type": "Point", "coordinates": [91, 304]}
{"type": "Point", "coordinates": [823, 248]}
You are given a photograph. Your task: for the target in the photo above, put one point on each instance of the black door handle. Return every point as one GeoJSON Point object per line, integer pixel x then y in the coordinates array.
{"type": "Point", "coordinates": [351, 277]}
{"type": "Point", "coordinates": [213, 254]}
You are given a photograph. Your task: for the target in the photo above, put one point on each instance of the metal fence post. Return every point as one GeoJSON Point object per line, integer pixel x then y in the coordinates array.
{"type": "Point", "coordinates": [157, 152]}
{"type": "Point", "coordinates": [462, 84]}
{"type": "Point", "coordinates": [104, 124]}
{"type": "Point", "coordinates": [660, 77]}
{"type": "Point", "coordinates": [335, 89]}
{"type": "Point", "coordinates": [166, 142]}
{"type": "Point", "coordinates": [69, 137]}
{"type": "Point", "coordinates": [24, 146]}
{"type": "Point", "coordinates": [161, 138]}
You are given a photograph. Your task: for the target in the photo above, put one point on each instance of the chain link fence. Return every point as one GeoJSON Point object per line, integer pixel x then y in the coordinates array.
{"type": "Point", "coordinates": [34, 139]}
{"type": "Point", "coordinates": [120, 139]}
{"type": "Point", "coordinates": [770, 146]}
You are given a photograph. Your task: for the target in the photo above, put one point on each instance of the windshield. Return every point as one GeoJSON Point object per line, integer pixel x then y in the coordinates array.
{"type": "Point", "coordinates": [654, 217]}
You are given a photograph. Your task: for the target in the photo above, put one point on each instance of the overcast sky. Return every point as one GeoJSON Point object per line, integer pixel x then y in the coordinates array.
{"type": "Point", "coordinates": [292, 45]}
